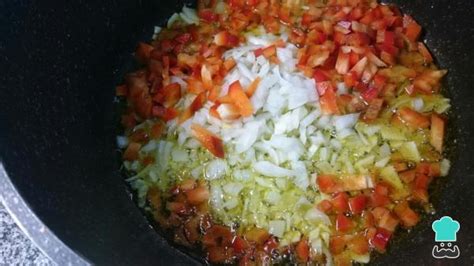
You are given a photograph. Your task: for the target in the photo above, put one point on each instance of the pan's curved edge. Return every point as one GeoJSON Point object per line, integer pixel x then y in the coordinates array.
{"type": "Point", "coordinates": [33, 227]}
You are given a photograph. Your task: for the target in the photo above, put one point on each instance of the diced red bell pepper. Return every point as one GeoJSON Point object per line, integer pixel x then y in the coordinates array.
{"type": "Point", "coordinates": [139, 135]}
{"type": "Point", "coordinates": [343, 223]}
{"type": "Point", "coordinates": [379, 81]}
{"type": "Point", "coordinates": [421, 195]}
{"type": "Point", "coordinates": [219, 255]}
{"type": "Point", "coordinates": [156, 130]}
{"type": "Point", "coordinates": [183, 38]}
{"type": "Point", "coordinates": [195, 86]}
{"type": "Point", "coordinates": [269, 51]}
{"type": "Point", "coordinates": [213, 111]}
{"type": "Point", "coordinates": [339, 38]}
{"type": "Point", "coordinates": [306, 19]}
{"type": "Point", "coordinates": [344, 100]}
{"type": "Point", "coordinates": [429, 169]}
{"type": "Point", "coordinates": [435, 169]}
{"type": "Point", "coordinates": [258, 52]}
{"type": "Point", "coordinates": [370, 94]}
{"type": "Point", "coordinates": [206, 77]}
{"type": "Point", "coordinates": [192, 230]}
{"type": "Point", "coordinates": [166, 114]}
{"type": "Point", "coordinates": [297, 37]}
{"type": "Point", "coordinates": [323, 86]}
{"type": "Point", "coordinates": [407, 176]}
{"type": "Point", "coordinates": [359, 68]}
{"type": "Point", "coordinates": [342, 63]}
{"type": "Point", "coordinates": [172, 94]}
{"type": "Point", "coordinates": [379, 24]}
{"type": "Point", "coordinates": [177, 208]}
{"type": "Point", "coordinates": [387, 58]}
{"type": "Point", "coordinates": [390, 49]}
{"type": "Point", "coordinates": [380, 239]}
{"type": "Point", "coordinates": [271, 24]}
{"type": "Point", "coordinates": [328, 102]}
{"type": "Point", "coordinates": [372, 112]}
{"type": "Point", "coordinates": [236, 4]}
{"type": "Point", "coordinates": [438, 125]}
{"type": "Point", "coordinates": [208, 15]}
{"type": "Point", "coordinates": [270, 245]}
{"type": "Point", "coordinates": [340, 202]}
{"type": "Point", "coordinates": [428, 81]}
{"type": "Point", "coordinates": [252, 2]}
{"type": "Point", "coordinates": [353, 59]}
{"type": "Point", "coordinates": [325, 206]}
{"type": "Point", "coordinates": [358, 39]}
{"type": "Point", "coordinates": [327, 183]}
{"type": "Point", "coordinates": [368, 219]}
{"type": "Point", "coordinates": [228, 111]}
{"type": "Point", "coordinates": [397, 121]}
{"type": "Point", "coordinates": [154, 197]}
{"type": "Point", "coordinates": [356, 13]}
{"type": "Point", "coordinates": [302, 251]}
{"type": "Point", "coordinates": [167, 45]}
{"type": "Point", "coordinates": [197, 104]}
{"type": "Point", "coordinates": [378, 199]}
{"type": "Point", "coordinates": [214, 93]}
{"type": "Point", "coordinates": [400, 166]}
{"type": "Point", "coordinates": [187, 184]}
{"type": "Point", "coordinates": [240, 99]}
{"type": "Point", "coordinates": [253, 87]}
{"type": "Point", "coordinates": [382, 189]}
{"type": "Point", "coordinates": [131, 153]}
{"type": "Point", "coordinates": [224, 38]}
{"type": "Point", "coordinates": [217, 235]}
{"type": "Point", "coordinates": [425, 52]}
{"type": "Point", "coordinates": [284, 15]}
{"type": "Point", "coordinates": [368, 18]}
{"type": "Point", "coordinates": [389, 39]}
{"type": "Point", "coordinates": [388, 221]}
{"type": "Point", "coordinates": [239, 245]}
{"type": "Point", "coordinates": [198, 195]}
{"type": "Point", "coordinates": [357, 204]}
{"type": "Point", "coordinates": [208, 140]}
{"type": "Point", "coordinates": [379, 212]}
{"type": "Point", "coordinates": [337, 244]}
{"type": "Point", "coordinates": [412, 29]}
{"type": "Point", "coordinates": [142, 101]}
{"type": "Point", "coordinates": [321, 37]}
{"type": "Point", "coordinates": [408, 216]}
{"type": "Point", "coordinates": [422, 181]}
{"type": "Point", "coordinates": [229, 64]}
{"type": "Point", "coordinates": [351, 79]}
{"type": "Point", "coordinates": [143, 51]}
{"type": "Point", "coordinates": [358, 244]}
{"type": "Point", "coordinates": [413, 118]}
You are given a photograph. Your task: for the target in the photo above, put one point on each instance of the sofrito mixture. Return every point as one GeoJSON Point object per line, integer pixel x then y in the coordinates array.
{"type": "Point", "coordinates": [294, 131]}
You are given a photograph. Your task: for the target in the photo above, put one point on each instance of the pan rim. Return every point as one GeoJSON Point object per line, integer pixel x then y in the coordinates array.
{"type": "Point", "coordinates": [33, 227]}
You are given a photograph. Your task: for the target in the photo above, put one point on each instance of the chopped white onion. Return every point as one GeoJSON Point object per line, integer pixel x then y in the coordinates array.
{"type": "Point", "coordinates": [216, 169]}
{"type": "Point", "coordinates": [276, 227]}
{"type": "Point", "coordinates": [268, 169]}
{"type": "Point", "coordinates": [122, 142]}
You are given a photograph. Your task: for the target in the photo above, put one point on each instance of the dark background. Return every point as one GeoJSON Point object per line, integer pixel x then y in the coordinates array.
{"type": "Point", "coordinates": [59, 64]}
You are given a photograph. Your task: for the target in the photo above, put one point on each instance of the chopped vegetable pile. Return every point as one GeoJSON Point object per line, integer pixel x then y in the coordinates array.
{"type": "Point", "coordinates": [285, 131]}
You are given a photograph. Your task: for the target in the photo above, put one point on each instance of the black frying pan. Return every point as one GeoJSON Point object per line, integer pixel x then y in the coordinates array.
{"type": "Point", "coordinates": [60, 61]}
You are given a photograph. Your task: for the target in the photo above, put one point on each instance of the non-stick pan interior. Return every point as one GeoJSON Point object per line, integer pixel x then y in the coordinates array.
{"type": "Point", "coordinates": [60, 62]}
